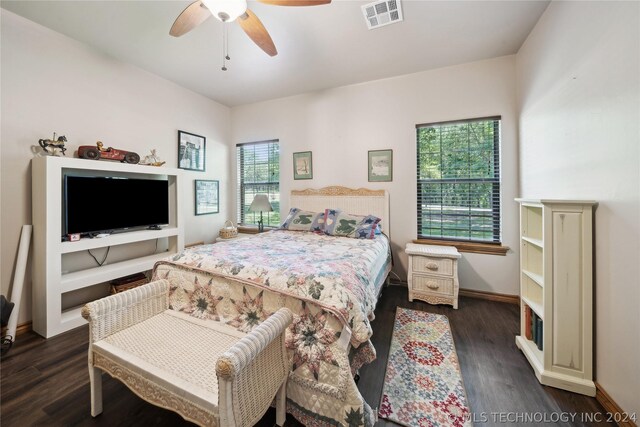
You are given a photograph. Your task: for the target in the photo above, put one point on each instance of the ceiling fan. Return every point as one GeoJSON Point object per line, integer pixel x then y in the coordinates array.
{"type": "Point", "coordinates": [230, 10]}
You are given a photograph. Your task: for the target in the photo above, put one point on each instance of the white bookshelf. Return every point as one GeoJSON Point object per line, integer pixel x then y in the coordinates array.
{"type": "Point", "coordinates": [556, 284]}
{"type": "Point", "coordinates": [50, 282]}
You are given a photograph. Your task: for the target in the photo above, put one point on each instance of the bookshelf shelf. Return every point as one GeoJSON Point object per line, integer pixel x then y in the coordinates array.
{"type": "Point", "coordinates": [534, 242]}
{"type": "Point", "coordinates": [556, 333]}
{"type": "Point", "coordinates": [537, 278]}
{"type": "Point", "coordinates": [536, 307]}
{"type": "Point", "coordinates": [531, 221]}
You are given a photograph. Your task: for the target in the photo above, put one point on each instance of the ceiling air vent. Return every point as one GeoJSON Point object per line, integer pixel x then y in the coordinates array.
{"type": "Point", "coordinates": [381, 13]}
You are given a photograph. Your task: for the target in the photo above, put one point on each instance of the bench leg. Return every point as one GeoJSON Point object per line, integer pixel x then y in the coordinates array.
{"type": "Point", "coordinates": [281, 404]}
{"type": "Point", "coordinates": [95, 382]}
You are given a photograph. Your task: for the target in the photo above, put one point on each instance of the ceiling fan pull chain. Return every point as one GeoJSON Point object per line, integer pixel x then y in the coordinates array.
{"type": "Point", "coordinates": [226, 42]}
{"type": "Point", "coordinates": [224, 46]}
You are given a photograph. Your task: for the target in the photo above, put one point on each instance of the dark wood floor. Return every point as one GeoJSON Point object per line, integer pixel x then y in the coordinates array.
{"type": "Point", "coordinates": [45, 382]}
{"type": "Point", "coordinates": [498, 379]}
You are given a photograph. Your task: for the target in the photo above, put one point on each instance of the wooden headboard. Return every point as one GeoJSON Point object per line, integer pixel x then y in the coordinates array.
{"type": "Point", "coordinates": [357, 201]}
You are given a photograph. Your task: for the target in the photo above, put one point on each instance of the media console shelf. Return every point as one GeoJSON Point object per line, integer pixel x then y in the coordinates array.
{"type": "Point", "coordinates": [49, 280]}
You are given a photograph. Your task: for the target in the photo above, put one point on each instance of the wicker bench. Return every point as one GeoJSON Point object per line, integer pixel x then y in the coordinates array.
{"type": "Point", "coordinates": [206, 371]}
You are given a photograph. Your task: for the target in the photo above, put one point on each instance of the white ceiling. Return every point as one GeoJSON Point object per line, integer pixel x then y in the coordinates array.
{"type": "Point", "coordinates": [319, 47]}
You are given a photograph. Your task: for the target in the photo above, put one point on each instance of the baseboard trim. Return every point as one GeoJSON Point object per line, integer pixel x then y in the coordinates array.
{"type": "Point", "coordinates": [470, 293]}
{"type": "Point", "coordinates": [491, 296]}
{"type": "Point", "coordinates": [24, 328]}
{"type": "Point", "coordinates": [20, 329]}
{"type": "Point", "coordinates": [618, 415]}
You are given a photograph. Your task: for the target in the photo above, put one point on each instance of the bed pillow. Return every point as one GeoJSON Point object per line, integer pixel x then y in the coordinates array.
{"type": "Point", "coordinates": [299, 220]}
{"type": "Point", "coordinates": [339, 223]}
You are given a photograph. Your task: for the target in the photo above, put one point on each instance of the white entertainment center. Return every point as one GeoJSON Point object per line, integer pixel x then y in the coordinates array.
{"type": "Point", "coordinates": [50, 280]}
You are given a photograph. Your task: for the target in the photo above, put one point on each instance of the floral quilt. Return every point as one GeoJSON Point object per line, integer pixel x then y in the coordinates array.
{"type": "Point", "coordinates": [329, 283]}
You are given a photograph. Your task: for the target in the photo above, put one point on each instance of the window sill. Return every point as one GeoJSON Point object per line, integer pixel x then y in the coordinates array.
{"type": "Point", "coordinates": [470, 247]}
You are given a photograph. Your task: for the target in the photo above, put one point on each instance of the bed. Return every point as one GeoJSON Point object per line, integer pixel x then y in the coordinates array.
{"type": "Point", "coordinates": [331, 284]}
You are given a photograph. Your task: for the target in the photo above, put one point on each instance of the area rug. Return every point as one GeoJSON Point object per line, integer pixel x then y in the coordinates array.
{"type": "Point", "coordinates": [423, 386]}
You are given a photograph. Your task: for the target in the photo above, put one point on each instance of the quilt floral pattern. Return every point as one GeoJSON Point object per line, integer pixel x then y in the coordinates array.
{"type": "Point", "coordinates": [331, 272]}
{"type": "Point", "coordinates": [311, 339]}
{"type": "Point", "coordinates": [324, 280]}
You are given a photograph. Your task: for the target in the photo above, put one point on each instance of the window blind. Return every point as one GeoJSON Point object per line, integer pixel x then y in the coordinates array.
{"type": "Point", "coordinates": [458, 180]}
{"type": "Point", "coordinates": [258, 172]}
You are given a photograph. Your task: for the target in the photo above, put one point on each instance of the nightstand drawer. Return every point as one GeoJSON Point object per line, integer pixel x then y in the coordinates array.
{"type": "Point", "coordinates": [425, 264]}
{"type": "Point", "coordinates": [431, 284]}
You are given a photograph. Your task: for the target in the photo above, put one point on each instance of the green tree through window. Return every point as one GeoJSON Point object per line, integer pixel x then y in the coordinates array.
{"type": "Point", "coordinates": [459, 180]}
{"type": "Point", "coordinates": [258, 173]}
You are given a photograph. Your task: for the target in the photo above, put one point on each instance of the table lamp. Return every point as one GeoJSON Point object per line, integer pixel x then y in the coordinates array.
{"type": "Point", "coordinates": [260, 204]}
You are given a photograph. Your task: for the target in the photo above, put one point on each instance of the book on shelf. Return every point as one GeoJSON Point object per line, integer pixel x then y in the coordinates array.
{"type": "Point", "coordinates": [527, 322]}
{"type": "Point", "coordinates": [539, 333]}
{"type": "Point", "coordinates": [532, 325]}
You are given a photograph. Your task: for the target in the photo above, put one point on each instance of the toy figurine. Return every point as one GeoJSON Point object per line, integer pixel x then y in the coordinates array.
{"type": "Point", "coordinates": [152, 159]}
{"type": "Point", "coordinates": [99, 152]}
{"type": "Point", "coordinates": [54, 144]}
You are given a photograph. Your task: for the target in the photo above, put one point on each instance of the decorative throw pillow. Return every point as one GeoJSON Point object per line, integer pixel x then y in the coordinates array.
{"type": "Point", "coordinates": [299, 220]}
{"type": "Point", "coordinates": [338, 223]}
{"type": "Point", "coordinates": [318, 223]}
{"type": "Point", "coordinates": [379, 229]}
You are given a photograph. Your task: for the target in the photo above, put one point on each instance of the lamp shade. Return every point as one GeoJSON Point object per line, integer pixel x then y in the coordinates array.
{"type": "Point", "coordinates": [260, 204]}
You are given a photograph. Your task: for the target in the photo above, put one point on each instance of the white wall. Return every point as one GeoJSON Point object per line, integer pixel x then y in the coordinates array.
{"type": "Point", "coordinates": [579, 99]}
{"type": "Point", "coordinates": [53, 83]}
{"type": "Point", "coordinates": [340, 125]}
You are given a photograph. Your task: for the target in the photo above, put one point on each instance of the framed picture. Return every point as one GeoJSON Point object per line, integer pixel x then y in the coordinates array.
{"type": "Point", "coordinates": [207, 192]}
{"type": "Point", "coordinates": [191, 151]}
{"type": "Point", "coordinates": [302, 165]}
{"type": "Point", "coordinates": [380, 165]}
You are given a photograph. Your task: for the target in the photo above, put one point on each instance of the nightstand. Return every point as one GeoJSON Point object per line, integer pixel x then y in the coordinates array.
{"type": "Point", "coordinates": [433, 273]}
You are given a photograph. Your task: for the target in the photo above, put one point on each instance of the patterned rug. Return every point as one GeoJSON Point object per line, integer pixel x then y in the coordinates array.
{"type": "Point", "coordinates": [423, 386]}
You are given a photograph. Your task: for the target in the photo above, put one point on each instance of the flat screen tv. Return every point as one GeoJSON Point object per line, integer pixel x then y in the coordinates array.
{"type": "Point", "coordinates": [112, 204]}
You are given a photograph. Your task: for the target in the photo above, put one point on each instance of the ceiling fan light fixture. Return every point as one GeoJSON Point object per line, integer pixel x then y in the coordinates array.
{"type": "Point", "coordinates": [226, 10]}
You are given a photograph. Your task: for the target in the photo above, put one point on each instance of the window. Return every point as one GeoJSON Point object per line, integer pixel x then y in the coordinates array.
{"type": "Point", "coordinates": [258, 173]}
{"type": "Point", "coordinates": [459, 180]}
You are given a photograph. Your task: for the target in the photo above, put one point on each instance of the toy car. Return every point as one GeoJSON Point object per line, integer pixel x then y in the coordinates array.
{"type": "Point", "coordinates": [99, 152]}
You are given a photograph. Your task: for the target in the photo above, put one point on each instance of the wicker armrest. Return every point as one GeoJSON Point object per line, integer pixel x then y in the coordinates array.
{"type": "Point", "coordinates": [234, 360]}
{"type": "Point", "coordinates": [117, 312]}
{"type": "Point", "coordinates": [252, 371]}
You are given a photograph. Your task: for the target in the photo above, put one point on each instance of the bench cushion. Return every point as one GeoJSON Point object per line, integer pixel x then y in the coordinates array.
{"type": "Point", "coordinates": [175, 350]}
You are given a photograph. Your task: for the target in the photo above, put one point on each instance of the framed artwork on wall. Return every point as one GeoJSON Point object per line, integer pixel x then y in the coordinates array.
{"type": "Point", "coordinates": [380, 165]}
{"type": "Point", "coordinates": [207, 196]}
{"type": "Point", "coordinates": [191, 151]}
{"type": "Point", "coordinates": [302, 165]}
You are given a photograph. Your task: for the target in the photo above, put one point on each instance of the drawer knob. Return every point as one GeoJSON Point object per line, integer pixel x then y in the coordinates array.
{"type": "Point", "coordinates": [432, 285]}
{"type": "Point", "coordinates": [432, 266]}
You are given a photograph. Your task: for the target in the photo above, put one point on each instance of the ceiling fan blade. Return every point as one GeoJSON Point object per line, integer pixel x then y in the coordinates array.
{"type": "Point", "coordinates": [194, 14]}
{"type": "Point", "coordinates": [257, 32]}
{"type": "Point", "coordinates": [295, 2]}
